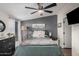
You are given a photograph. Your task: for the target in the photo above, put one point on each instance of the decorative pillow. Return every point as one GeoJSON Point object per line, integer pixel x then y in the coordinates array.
{"type": "Point", "coordinates": [38, 34]}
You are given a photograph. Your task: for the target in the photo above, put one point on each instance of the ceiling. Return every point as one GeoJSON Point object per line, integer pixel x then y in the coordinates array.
{"type": "Point", "coordinates": [18, 10]}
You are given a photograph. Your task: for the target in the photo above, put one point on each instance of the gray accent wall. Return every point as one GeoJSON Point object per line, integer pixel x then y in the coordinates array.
{"type": "Point", "coordinates": [49, 21]}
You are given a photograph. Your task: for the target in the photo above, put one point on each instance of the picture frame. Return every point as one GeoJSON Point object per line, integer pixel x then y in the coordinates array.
{"type": "Point", "coordinates": [2, 26]}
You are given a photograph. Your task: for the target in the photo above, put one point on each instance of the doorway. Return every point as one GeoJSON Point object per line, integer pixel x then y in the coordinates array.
{"type": "Point", "coordinates": [16, 30]}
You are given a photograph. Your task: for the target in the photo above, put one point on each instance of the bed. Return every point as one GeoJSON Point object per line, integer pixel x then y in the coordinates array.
{"type": "Point", "coordinates": [39, 47]}
{"type": "Point", "coordinates": [39, 44]}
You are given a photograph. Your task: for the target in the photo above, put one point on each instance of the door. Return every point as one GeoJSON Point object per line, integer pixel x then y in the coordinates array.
{"type": "Point", "coordinates": [66, 34]}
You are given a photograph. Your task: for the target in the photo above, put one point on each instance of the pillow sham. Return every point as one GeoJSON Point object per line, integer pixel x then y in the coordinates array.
{"type": "Point", "coordinates": [38, 34]}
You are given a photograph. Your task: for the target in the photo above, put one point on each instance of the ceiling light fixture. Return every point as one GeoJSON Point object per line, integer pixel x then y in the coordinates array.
{"type": "Point", "coordinates": [41, 12]}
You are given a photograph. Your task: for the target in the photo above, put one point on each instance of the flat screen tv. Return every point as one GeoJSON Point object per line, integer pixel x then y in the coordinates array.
{"type": "Point", "coordinates": [73, 16]}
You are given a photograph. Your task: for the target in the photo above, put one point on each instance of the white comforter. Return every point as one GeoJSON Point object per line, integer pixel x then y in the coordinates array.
{"type": "Point", "coordinates": [39, 42]}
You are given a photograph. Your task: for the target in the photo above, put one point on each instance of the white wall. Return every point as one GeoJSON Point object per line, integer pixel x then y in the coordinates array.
{"type": "Point", "coordinates": [61, 15]}
{"type": "Point", "coordinates": [19, 34]}
{"type": "Point", "coordinates": [67, 34]}
{"type": "Point", "coordinates": [75, 40]}
{"type": "Point", "coordinates": [10, 24]}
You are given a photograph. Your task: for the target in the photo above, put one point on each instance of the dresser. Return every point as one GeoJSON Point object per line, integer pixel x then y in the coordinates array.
{"type": "Point", "coordinates": [7, 46]}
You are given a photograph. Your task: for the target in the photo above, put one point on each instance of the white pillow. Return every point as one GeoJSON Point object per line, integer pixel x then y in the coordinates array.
{"type": "Point", "coordinates": [39, 34]}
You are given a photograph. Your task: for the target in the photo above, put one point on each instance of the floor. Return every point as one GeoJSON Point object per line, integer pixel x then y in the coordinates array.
{"type": "Point", "coordinates": [67, 52]}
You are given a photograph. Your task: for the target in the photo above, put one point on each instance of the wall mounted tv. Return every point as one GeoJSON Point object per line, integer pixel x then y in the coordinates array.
{"type": "Point", "coordinates": [73, 16]}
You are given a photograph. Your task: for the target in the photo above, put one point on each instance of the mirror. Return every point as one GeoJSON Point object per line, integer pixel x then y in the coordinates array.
{"type": "Point", "coordinates": [2, 26]}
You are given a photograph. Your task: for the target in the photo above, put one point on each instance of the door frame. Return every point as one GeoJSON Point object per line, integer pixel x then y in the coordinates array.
{"type": "Point", "coordinates": [65, 45]}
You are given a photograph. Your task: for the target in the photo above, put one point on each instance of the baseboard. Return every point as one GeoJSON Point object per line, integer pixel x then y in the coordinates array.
{"type": "Point", "coordinates": [67, 48]}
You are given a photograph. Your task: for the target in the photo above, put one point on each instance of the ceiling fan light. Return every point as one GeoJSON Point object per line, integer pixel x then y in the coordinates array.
{"type": "Point", "coordinates": [41, 12]}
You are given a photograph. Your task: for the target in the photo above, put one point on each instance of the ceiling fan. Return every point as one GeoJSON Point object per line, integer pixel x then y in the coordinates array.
{"type": "Point", "coordinates": [42, 9]}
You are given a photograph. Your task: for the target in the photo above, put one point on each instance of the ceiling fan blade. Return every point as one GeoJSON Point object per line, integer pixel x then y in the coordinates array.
{"type": "Point", "coordinates": [48, 11]}
{"type": "Point", "coordinates": [34, 12]}
{"type": "Point", "coordinates": [51, 5]}
{"type": "Point", "coordinates": [31, 8]}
